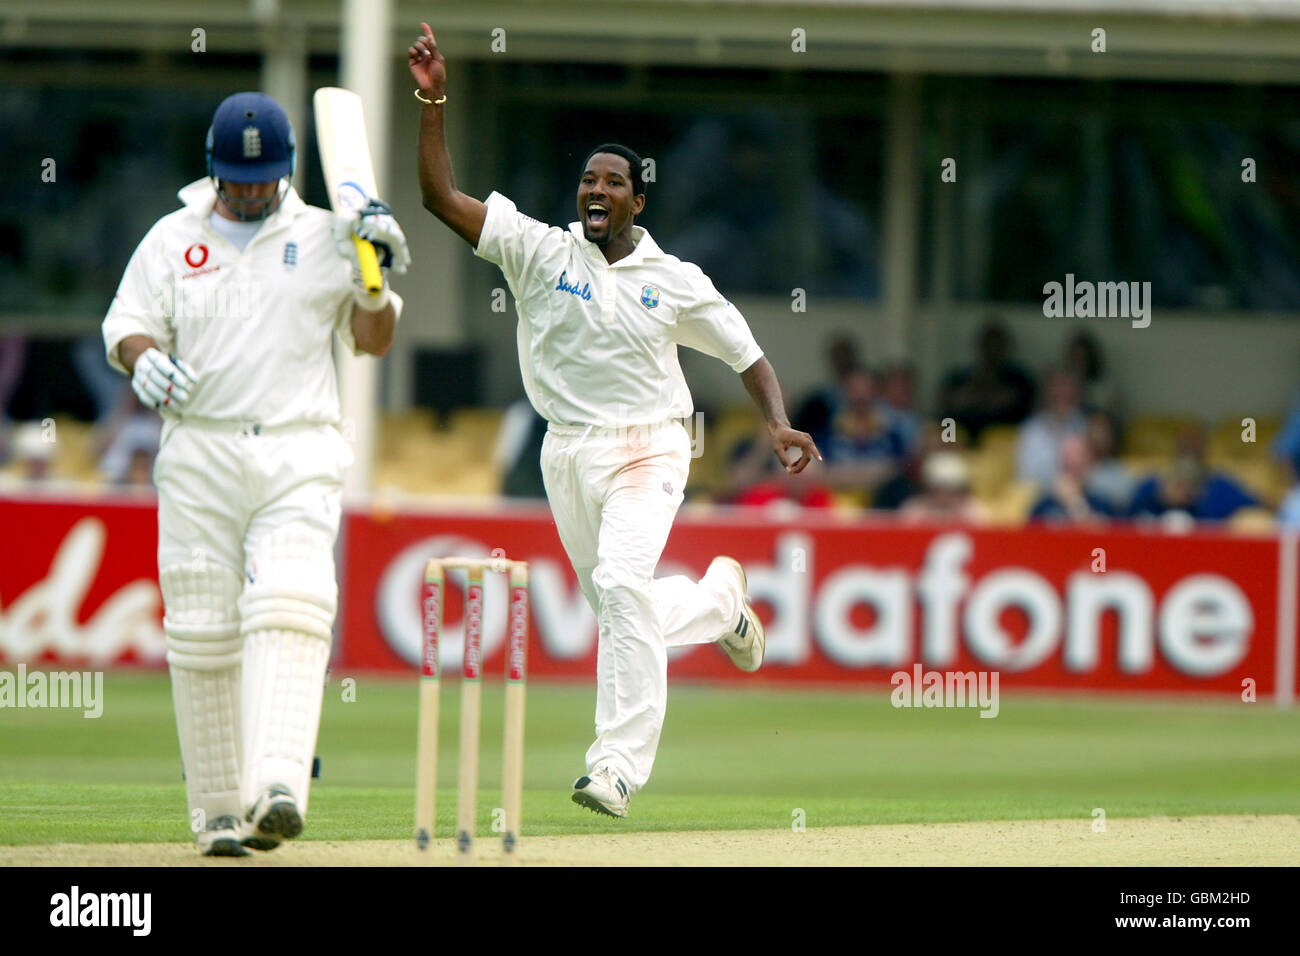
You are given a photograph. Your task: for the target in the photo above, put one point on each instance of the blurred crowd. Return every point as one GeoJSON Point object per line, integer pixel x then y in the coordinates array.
{"type": "Point", "coordinates": [61, 403]}
{"type": "Point", "coordinates": [1047, 444]}
{"type": "Point", "coordinates": [999, 443]}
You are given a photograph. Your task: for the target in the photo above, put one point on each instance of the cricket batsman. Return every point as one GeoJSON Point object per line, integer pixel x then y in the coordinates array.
{"type": "Point", "coordinates": [602, 310]}
{"type": "Point", "coordinates": [224, 320]}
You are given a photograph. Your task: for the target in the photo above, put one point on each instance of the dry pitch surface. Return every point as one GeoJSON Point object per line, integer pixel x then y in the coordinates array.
{"type": "Point", "coordinates": [1142, 841]}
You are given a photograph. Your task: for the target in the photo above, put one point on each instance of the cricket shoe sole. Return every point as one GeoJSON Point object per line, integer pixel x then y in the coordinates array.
{"type": "Point", "coordinates": [601, 792]}
{"type": "Point", "coordinates": [274, 818]}
{"type": "Point", "coordinates": [221, 838]}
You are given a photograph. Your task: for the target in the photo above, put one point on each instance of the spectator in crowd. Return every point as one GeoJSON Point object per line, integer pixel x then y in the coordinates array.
{"type": "Point", "coordinates": [909, 481]}
{"type": "Point", "coordinates": [1286, 453]}
{"type": "Point", "coordinates": [32, 455]}
{"type": "Point", "coordinates": [946, 496]}
{"type": "Point", "coordinates": [1038, 446]}
{"type": "Point", "coordinates": [1068, 498]}
{"type": "Point", "coordinates": [126, 441]}
{"type": "Point", "coordinates": [11, 371]}
{"type": "Point", "coordinates": [1109, 480]}
{"type": "Point", "coordinates": [128, 458]}
{"type": "Point", "coordinates": [102, 383]}
{"type": "Point", "coordinates": [995, 391]}
{"type": "Point", "coordinates": [1083, 357]}
{"type": "Point", "coordinates": [815, 412]}
{"type": "Point", "coordinates": [518, 452]}
{"type": "Point", "coordinates": [863, 449]}
{"type": "Point", "coordinates": [1286, 447]}
{"type": "Point", "coordinates": [1288, 512]}
{"type": "Point", "coordinates": [1188, 490]}
{"type": "Point", "coordinates": [898, 397]}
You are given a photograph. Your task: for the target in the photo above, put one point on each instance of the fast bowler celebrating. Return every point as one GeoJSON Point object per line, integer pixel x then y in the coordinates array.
{"type": "Point", "coordinates": [224, 320]}
{"type": "Point", "coordinates": [602, 311]}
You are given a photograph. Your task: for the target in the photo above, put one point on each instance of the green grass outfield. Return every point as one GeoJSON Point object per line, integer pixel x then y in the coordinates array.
{"type": "Point", "coordinates": [729, 759]}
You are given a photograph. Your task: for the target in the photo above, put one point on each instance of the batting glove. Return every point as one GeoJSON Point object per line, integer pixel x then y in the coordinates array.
{"type": "Point", "coordinates": [163, 382]}
{"type": "Point", "coordinates": [375, 224]}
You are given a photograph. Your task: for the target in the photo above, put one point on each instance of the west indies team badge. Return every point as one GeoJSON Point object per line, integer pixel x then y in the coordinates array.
{"type": "Point", "coordinates": [649, 296]}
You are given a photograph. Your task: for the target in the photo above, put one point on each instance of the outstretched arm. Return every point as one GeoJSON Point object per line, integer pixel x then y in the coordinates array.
{"type": "Point", "coordinates": [464, 214]}
{"type": "Point", "coordinates": [760, 381]}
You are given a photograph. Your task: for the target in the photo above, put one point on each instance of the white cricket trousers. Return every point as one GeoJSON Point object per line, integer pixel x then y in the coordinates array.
{"type": "Point", "coordinates": [247, 519]}
{"type": "Point", "coordinates": [614, 493]}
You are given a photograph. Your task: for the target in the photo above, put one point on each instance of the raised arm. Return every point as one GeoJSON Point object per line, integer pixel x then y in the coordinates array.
{"type": "Point", "coordinates": [464, 214]}
{"type": "Point", "coordinates": [760, 381]}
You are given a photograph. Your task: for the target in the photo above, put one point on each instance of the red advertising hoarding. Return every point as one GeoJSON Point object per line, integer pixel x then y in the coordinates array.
{"type": "Point", "coordinates": [845, 600]}
{"type": "Point", "coordinates": [858, 600]}
{"type": "Point", "coordinates": [79, 581]}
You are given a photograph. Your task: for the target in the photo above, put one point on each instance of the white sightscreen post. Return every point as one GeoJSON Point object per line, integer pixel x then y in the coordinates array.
{"type": "Point", "coordinates": [284, 78]}
{"type": "Point", "coordinates": [364, 61]}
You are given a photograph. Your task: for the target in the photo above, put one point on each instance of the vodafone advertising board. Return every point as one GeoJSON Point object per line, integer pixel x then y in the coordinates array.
{"type": "Point", "coordinates": [79, 582]}
{"type": "Point", "coordinates": [844, 600]}
{"type": "Point", "coordinates": [858, 600]}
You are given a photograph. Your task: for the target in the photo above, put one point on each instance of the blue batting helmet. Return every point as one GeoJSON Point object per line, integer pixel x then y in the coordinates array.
{"type": "Point", "coordinates": [250, 140]}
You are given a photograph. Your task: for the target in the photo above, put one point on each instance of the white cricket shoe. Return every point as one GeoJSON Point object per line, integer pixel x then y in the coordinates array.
{"type": "Point", "coordinates": [603, 791]}
{"type": "Point", "coordinates": [273, 819]}
{"type": "Point", "coordinates": [745, 643]}
{"type": "Point", "coordinates": [221, 838]}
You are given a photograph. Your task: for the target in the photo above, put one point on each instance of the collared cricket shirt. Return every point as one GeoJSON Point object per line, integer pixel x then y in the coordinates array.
{"type": "Point", "coordinates": [257, 324]}
{"type": "Point", "coordinates": [598, 342]}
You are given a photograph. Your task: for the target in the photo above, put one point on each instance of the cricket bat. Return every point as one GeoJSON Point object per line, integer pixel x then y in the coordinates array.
{"type": "Point", "coordinates": [345, 160]}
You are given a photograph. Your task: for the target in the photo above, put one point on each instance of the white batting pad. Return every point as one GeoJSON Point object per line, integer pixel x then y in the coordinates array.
{"type": "Point", "coordinates": [287, 621]}
{"type": "Point", "coordinates": [204, 655]}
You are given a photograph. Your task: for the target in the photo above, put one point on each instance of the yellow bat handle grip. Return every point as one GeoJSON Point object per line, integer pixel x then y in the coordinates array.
{"type": "Point", "coordinates": [369, 260]}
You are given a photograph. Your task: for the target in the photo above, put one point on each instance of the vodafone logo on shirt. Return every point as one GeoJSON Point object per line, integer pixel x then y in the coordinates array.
{"type": "Point", "coordinates": [196, 255]}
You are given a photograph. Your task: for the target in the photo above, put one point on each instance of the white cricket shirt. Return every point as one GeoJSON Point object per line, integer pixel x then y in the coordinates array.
{"type": "Point", "coordinates": [256, 325]}
{"type": "Point", "coordinates": [598, 342]}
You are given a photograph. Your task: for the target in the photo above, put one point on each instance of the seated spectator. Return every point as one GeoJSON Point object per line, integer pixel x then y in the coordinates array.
{"type": "Point", "coordinates": [128, 459]}
{"type": "Point", "coordinates": [12, 352]}
{"type": "Point", "coordinates": [30, 452]}
{"type": "Point", "coordinates": [909, 482]}
{"type": "Point", "coordinates": [995, 391]}
{"type": "Point", "coordinates": [863, 448]}
{"type": "Point", "coordinates": [755, 477]}
{"type": "Point", "coordinates": [898, 398]}
{"type": "Point", "coordinates": [1083, 357]}
{"type": "Point", "coordinates": [1188, 490]}
{"type": "Point", "coordinates": [1038, 446]}
{"type": "Point", "coordinates": [946, 496]}
{"type": "Point", "coordinates": [1286, 448]}
{"type": "Point", "coordinates": [1109, 480]}
{"type": "Point", "coordinates": [518, 451]}
{"type": "Point", "coordinates": [1068, 499]}
{"type": "Point", "coordinates": [126, 440]}
{"type": "Point", "coordinates": [1288, 512]}
{"type": "Point", "coordinates": [815, 412]}
{"type": "Point", "coordinates": [1286, 453]}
